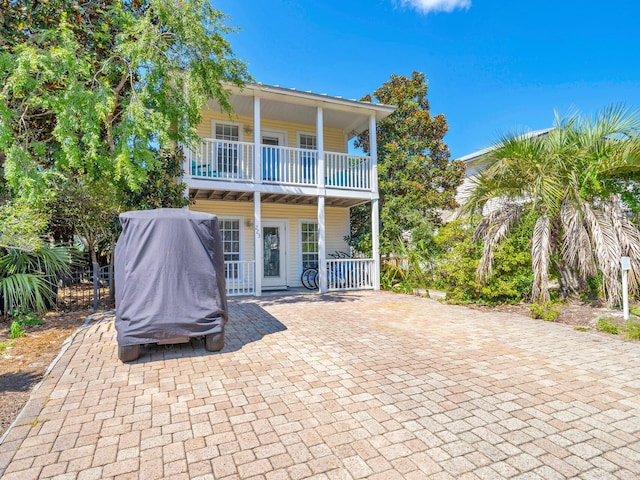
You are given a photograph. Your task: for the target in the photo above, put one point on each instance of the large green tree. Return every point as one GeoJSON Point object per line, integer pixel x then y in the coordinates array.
{"type": "Point", "coordinates": [570, 181]}
{"type": "Point", "coordinates": [416, 175]}
{"type": "Point", "coordinates": [97, 88]}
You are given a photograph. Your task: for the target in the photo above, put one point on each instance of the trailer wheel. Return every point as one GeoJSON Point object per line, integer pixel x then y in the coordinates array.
{"type": "Point", "coordinates": [128, 353]}
{"type": "Point", "coordinates": [214, 342]}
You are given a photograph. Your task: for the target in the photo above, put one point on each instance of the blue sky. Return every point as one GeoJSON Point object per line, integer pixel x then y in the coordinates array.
{"type": "Point", "coordinates": [493, 66]}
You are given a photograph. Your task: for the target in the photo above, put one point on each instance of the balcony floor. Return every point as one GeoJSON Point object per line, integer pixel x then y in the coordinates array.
{"type": "Point", "coordinates": [282, 198]}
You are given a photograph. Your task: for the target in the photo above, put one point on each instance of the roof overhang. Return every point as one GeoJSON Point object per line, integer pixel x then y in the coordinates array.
{"type": "Point", "coordinates": [291, 105]}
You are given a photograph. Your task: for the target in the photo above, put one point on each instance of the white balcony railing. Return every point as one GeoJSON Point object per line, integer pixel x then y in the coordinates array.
{"type": "Point", "coordinates": [348, 171]}
{"type": "Point", "coordinates": [289, 166]}
{"type": "Point", "coordinates": [350, 273]}
{"type": "Point", "coordinates": [228, 160]}
{"type": "Point", "coordinates": [221, 159]}
{"type": "Point", "coordinates": [240, 277]}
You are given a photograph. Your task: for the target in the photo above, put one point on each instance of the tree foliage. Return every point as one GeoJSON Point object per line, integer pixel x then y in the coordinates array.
{"type": "Point", "coordinates": [96, 98]}
{"type": "Point", "coordinates": [97, 88]}
{"type": "Point", "coordinates": [416, 176]}
{"type": "Point", "coordinates": [565, 179]}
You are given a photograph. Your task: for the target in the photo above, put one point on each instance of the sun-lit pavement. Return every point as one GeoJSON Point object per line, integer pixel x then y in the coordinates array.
{"type": "Point", "coordinates": [367, 385]}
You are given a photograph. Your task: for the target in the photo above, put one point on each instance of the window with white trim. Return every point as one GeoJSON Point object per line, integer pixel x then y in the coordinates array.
{"type": "Point", "coordinates": [309, 244]}
{"type": "Point", "coordinates": [307, 141]}
{"type": "Point", "coordinates": [230, 232]}
{"type": "Point", "coordinates": [227, 152]}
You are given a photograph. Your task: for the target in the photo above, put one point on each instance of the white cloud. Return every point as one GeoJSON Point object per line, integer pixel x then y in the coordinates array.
{"type": "Point", "coordinates": [426, 6]}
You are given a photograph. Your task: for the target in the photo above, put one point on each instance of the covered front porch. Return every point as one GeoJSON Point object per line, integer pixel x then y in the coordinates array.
{"type": "Point", "coordinates": [270, 239]}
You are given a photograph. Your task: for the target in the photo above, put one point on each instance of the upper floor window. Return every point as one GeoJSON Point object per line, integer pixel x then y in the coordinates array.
{"type": "Point", "coordinates": [228, 154]}
{"type": "Point", "coordinates": [308, 159]}
{"type": "Point", "coordinates": [225, 131]}
{"type": "Point", "coordinates": [308, 142]}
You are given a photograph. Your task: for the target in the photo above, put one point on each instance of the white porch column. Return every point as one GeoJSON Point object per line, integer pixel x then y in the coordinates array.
{"type": "Point", "coordinates": [257, 151]}
{"type": "Point", "coordinates": [257, 239]}
{"type": "Point", "coordinates": [322, 247]}
{"type": "Point", "coordinates": [322, 233]}
{"type": "Point", "coordinates": [375, 207]}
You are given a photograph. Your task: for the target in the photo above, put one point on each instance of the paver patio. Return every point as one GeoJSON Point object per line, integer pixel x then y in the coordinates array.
{"type": "Point", "coordinates": [363, 385]}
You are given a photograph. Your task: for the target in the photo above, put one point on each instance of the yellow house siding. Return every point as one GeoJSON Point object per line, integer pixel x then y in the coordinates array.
{"type": "Point", "coordinates": [334, 139]}
{"type": "Point", "coordinates": [336, 224]}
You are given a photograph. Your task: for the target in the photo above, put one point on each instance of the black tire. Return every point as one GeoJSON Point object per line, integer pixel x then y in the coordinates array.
{"type": "Point", "coordinates": [214, 342]}
{"type": "Point", "coordinates": [128, 353]}
{"type": "Point", "coordinates": [309, 279]}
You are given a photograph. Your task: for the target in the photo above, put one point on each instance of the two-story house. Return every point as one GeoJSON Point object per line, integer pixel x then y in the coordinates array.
{"type": "Point", "coordinates": [278, 175]}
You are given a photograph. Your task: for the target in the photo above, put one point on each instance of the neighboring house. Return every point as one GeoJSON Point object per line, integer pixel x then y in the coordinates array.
{"type": "Point", "coordinates": [476, 162]}
{"type": "Point", "coordinates": [278, 175]}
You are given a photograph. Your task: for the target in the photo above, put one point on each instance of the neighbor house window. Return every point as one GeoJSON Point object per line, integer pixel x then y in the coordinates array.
{"type": "Point", "coordinates": [308, 159]}
{"type": "Point", "coordinates": [227, 161]}
{"type": "Point", "coordinates": [309, 247]}
{"type": "Point", "coordinates": [230, 232]}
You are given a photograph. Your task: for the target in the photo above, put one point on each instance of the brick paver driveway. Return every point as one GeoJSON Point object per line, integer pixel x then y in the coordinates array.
{"type": "Point", "coordinates": [367, 385]}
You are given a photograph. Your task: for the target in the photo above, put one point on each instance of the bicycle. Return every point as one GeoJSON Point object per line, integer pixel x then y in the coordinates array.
{"type": "Point", "coordinates": [309, 278]}
{"type": "Point", "coordinates": [338, 275]}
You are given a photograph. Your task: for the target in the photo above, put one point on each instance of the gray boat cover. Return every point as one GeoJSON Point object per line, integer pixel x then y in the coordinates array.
{"type": "Point", "coordinates": [169, 276]}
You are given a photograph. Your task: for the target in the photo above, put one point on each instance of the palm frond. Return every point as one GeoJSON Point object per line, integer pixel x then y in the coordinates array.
{"type": "Point", "coordinates": [576, 247]}
{"type": "Point", "coordinates": [606, 250]}
{"type": "Point", "coordinates": [540, 257]}
{"type": "Point", "coordinates": [492, 230]}
{"type": "Point", "coordinates": [25, 290]}
{"type": "Point", "coordinates": [628, 237]}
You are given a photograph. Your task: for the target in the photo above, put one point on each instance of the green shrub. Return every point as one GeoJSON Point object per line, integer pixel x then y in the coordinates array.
{"type": "Point", "coordinates": [26, 318]}
{"type": "Point", "coordinates": [16, 330]}
{"type": "Point", "coordinates": [607, 325]}
{"type": "Point", "coordinates": [546, 311]}
{"type": "Point", "coordinates": [456, 266]}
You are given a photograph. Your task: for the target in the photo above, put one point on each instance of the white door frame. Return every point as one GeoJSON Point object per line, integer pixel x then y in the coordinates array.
{"type": "Point", "coordinates": [280, 281]}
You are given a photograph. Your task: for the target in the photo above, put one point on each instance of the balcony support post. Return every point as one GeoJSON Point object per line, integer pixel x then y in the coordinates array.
{"type": "Point", "coordinates": [257, 242]}
{"type": "Point", "coordinates": [322, 247]}
{"type": "Point", "coordinates": [320, 147]}
{"type": "Point", "coordinates": [375, 208]}
{"type": "Point", "coordinates": [257, 151]}
{"type": "Point", "coordinates": [322, 231]}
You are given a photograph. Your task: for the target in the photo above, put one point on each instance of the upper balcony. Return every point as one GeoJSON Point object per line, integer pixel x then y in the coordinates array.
{"type": "Point", "coordinates": [289, 145]}
{"type": "Point", "coordinates": [233, 161]}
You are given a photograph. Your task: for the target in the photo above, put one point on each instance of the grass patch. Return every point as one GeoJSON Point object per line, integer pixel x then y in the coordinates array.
{"type": "Point", "coordinates": [5, 345]}
{"type": "Point", "coordinates": [632, 330]}
{"type": "Point", "coordinates": [607, 325]}
{"type": "Point", "coordinates": [581, 329]}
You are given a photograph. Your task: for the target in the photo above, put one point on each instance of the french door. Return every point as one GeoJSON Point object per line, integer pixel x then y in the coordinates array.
{"type": "Point", "coordinates": [274, 252]}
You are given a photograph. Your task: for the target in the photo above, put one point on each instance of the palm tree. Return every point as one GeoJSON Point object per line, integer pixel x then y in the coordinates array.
{"type": "Point", "coordinates": [27, 276]}
{"type": "Point", "coordinates": [581, 226]}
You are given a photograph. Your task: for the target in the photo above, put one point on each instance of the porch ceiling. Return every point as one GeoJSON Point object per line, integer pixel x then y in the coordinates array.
{"type": "Point", "coordinates": [291, 105]}
{"type": "Point", "coordinates": [281, 198]}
